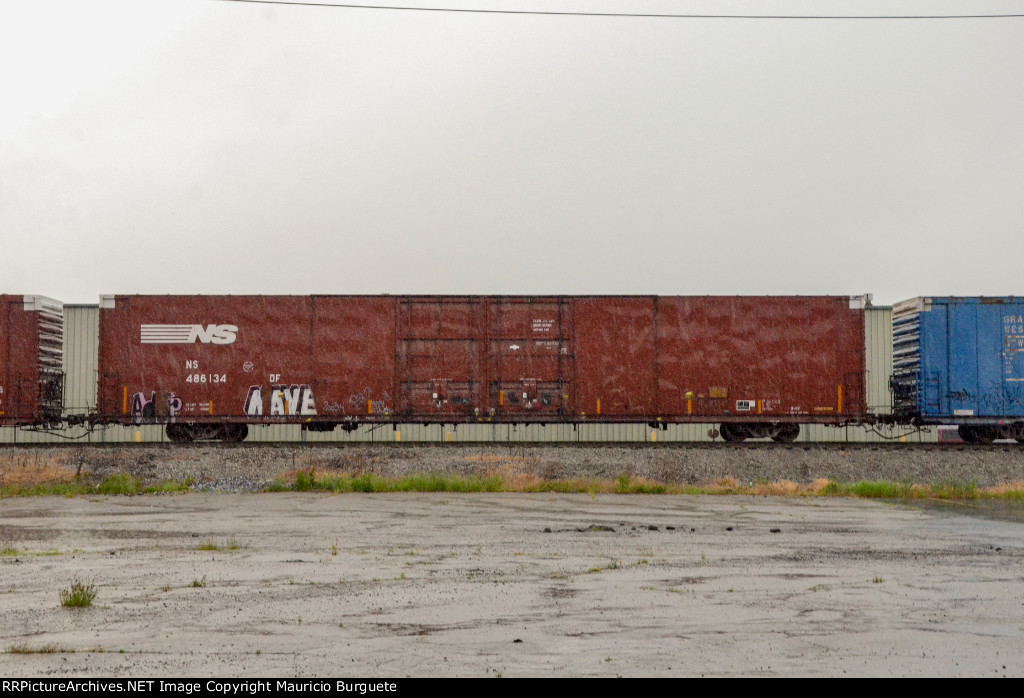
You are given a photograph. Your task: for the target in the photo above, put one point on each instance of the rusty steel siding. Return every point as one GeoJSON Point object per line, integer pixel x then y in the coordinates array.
{"type": "Point", "coordinates": [19, 369]}
{"type": "Point", "coordinates": [439, 356]}
{"type": "Point", "coordinates": [31, 360]}
{"type": "Point", "coordinates": [469, 358]}
{"type": "Point", "coordinates": [851, 359]}
{"type": "Point", "coordinates": [290, 358]}
{"type": "Point", "coordinates": [777, 358]}
{"type": "Point", "coordinates": [615, 357]}
{"type": "Point", "coordinates": [209, 375]}
{"type": "Point", "coordinates": [479, 357]}
{"type": "Point", "coordinates": [81, 347]}
{"type": "Point", "coordinates": [354, 340]}
{"type": "Point", "coordinates": [530, 369]}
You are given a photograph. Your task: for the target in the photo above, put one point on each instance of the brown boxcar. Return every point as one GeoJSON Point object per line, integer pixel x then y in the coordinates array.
{"type": "Point", "coordinates": [31, 360]}
{"type": "Point", "coordinates": [210, 365]}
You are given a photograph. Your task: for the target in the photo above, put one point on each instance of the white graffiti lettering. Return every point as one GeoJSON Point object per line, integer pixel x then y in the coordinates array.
{"type": "Point", "coordinates": [285, 400]}
{"type": "Point", "coordinates": [365, 401]}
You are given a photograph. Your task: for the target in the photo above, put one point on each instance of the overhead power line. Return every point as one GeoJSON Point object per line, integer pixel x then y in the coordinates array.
{"type": "Point", "coordinates": [608, 14]}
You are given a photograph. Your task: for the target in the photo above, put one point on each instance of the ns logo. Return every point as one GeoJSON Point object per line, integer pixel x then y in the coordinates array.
{"type": "Point", "coordinates": [188, 334]}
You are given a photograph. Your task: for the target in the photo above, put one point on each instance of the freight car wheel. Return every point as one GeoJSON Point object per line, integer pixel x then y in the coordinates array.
{"type": "Point", "coordinates": [235, 433]}
{"type": "Point", "coordinates": [188, 432]}
{"type": "Point", "coordinates": [176, 434]}
{"type": "Point", "coordinates": [1006, 431]}
{"type": "Point", "coordinates": [976, 435]}
{"type": "Point", "coordinates": [787, 433]}
{"type": "Point", "coordinates": [732, 433]}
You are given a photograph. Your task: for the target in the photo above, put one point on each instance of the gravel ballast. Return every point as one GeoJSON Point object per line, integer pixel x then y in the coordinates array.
{"type": "Point", "coordinates": [247, 468]}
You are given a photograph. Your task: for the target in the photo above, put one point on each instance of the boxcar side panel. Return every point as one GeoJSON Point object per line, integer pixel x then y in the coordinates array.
{"type": "Point", "coordinates": [529, 358]}
{"type": "Point", "coordinates": [439, 356]}
{"type": "Point", "coordinates": [615, 357]}
{"type": "Point", "coordinates": [354, 342]}
{"type": "Point", "coordinates": [200, 358]}
{"type": "Point", "coordinates": [767, 358]}
{"type": "Point", "coordinates": [479, 358]}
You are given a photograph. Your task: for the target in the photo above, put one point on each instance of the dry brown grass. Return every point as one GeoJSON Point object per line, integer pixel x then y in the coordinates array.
{"type": "Point", "coordinates": [519, 482]}
{"type": "Point", "coordinates": [34, 470]}
{"type": "Point", "coordinates": [782, 488]}
{"type": "Point", "coordinates": [511, 475]}
{"type": "Point", "coordinates": [818, 485]}
{"type": "Point", "coordinates": [1006, 489]}
{"type": "Point", "coordinates": [723, 485]}
{"type": "Point", "coordinates": [510, 470]}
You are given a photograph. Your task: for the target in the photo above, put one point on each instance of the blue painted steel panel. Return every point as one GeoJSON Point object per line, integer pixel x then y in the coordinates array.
{"type": "Point", "coordinates": [971, 359]}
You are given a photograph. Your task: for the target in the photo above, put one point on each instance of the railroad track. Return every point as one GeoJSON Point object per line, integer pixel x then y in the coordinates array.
{"type": "Point", "coordinates": [1001, 446]}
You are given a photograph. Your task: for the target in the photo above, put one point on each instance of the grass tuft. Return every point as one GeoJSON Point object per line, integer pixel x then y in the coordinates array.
{"type": "Point", "coordinates": [79, 595]}
{"type": "Point", "coordinates": [119, 483]}
{"type": "Point", "coordinates": [506, 479]}
{"type": "Point", "coordinates": [311, 481]}
{"type": "Point", "coordinates": [25, 648]}
{"type": "Point", "coordinates": [231, 544]}
{"type": "Point", "coordinates": [170, 487]}
{"type": "Point", "coordinates": [64, 484]}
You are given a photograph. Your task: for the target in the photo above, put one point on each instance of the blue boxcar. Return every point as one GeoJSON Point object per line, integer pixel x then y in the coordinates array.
{"type": "Point", "coordinates": [961, 361]}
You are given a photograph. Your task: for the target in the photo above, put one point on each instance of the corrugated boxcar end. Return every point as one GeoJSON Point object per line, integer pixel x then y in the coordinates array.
{"type": "Point", "coordinates": [31, 361]}
{"type": "Point", "coordinates": [960, 360]}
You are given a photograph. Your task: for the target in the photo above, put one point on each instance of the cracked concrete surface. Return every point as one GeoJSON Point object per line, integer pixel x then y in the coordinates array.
{"type": "Point", "coordinates": [506, 584]}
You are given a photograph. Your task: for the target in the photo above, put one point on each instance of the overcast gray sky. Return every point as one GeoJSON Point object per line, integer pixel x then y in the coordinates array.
{"type": "Point", "coordinates": [196, 146]}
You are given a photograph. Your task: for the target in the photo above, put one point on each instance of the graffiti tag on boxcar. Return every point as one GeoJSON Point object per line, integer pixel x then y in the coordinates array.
{"type": "Point", "coordinates": [333, 408]}
{"type": "Point", "coordinates": [366, 402]}
{"type": "Point", "coordinates": [143, 409]}
{"type": "Point", "coordinates": [284, 400]}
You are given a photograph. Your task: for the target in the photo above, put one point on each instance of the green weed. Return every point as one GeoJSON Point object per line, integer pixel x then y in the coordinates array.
{"type": "Point", "coordinates": [79, 595]}
{"type": "Point", "coordinates": [25, 648]}
{"type": "Point", "coordinates": [118, 483]}
{"type": "Point", "coordinates": [231, 544]}
{"type": "Point", "coordinates": [313, 481]}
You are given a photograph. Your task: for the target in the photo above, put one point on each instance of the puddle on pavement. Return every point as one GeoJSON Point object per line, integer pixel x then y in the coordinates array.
{"type": "Point", "coordinates": [998, 509]}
